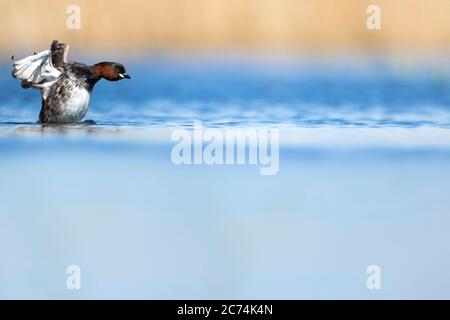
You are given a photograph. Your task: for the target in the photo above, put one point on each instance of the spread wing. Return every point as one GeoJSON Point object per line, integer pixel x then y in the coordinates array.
{"type": "Point", "coordinates": [41, 70]}
{"type": "Point", "coordinates": [59, 54]}
{"type": "Point", "coordinates": [36, 69]}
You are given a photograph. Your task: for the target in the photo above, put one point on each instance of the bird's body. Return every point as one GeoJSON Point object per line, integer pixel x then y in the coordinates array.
{"type": "Point", "coordinates": [65, 87]}
{"type": "Point", "coordinates": [68, 98]}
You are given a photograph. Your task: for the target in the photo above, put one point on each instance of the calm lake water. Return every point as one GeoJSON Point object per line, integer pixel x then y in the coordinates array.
{"type": "Point", "coordinates": [363, 180]}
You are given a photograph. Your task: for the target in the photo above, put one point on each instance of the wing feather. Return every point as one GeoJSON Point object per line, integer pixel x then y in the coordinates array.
{"type": "Point", "coordinates": [59, 53]}
{"type": "Point", "coordinates": [36, 71]}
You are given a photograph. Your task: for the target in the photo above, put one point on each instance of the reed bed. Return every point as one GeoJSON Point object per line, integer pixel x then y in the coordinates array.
{"type": "Point", "coordinates": [259, 24]}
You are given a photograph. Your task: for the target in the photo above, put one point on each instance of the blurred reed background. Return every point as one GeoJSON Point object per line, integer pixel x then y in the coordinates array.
{"type": "Point", "coordinates": [255, 24]}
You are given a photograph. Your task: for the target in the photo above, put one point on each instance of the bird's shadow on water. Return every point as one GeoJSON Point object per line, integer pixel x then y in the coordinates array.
{"type": "Point", "coordinates": [36, 128]}
{"type": "Point", "coordinates": [12, 123]}
{"type": "Point", "coordinates": [87, 128]}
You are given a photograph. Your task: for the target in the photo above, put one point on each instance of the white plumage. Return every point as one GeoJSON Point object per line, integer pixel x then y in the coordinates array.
{"type": "Point", "coordinates": [76, 105]}
{"type": "Point", "coordinates": [37, 70]}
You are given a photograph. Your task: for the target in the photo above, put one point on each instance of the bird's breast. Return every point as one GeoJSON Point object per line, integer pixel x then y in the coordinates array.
{"type": "Point", "coordinates": [76, 105]}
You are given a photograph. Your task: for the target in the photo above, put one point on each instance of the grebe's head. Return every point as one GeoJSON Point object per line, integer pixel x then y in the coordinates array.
{"type": "Point", "coordinates": [112, 71]}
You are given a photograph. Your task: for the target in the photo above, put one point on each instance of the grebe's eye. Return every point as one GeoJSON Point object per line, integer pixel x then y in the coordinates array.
{"type": "Point", "coordinates": [124, 75]}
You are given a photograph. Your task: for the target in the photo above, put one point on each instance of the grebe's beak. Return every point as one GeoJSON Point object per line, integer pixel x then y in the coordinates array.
{"type": "Point", "coordinates": [124, 76]}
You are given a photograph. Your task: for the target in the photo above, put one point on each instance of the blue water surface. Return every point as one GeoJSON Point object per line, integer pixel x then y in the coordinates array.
{"type": "Point", "coordinates": [141, 227]}
{"type": "Point", "coordinates": [240, 89]}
